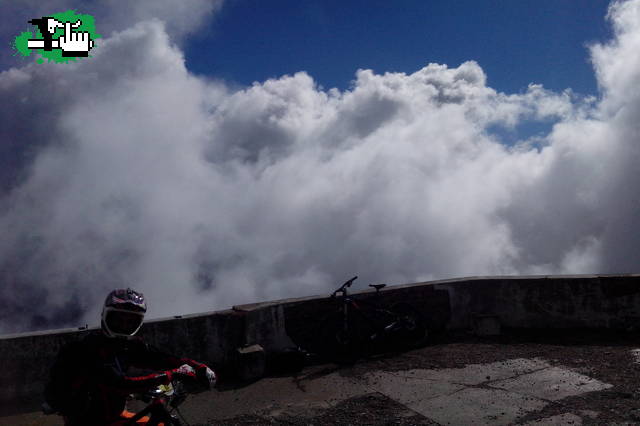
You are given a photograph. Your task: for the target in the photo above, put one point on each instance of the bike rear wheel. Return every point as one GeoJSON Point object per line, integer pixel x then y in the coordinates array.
{"type": "Point", "coordinates": [412, 331]}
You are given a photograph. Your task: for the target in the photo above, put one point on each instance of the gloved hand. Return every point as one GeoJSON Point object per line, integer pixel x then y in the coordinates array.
{"type": "Point", "coordinates": [184, 370]}
{"type": "Point", "coordinates": [207, 377]}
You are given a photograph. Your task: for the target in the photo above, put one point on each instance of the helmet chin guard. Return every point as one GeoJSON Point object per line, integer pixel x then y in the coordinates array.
{"type": "Point", "coordinates": [121, 322]}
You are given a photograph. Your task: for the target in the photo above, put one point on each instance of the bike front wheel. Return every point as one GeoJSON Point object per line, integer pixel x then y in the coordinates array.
{"type": "Point", "coordinates": [339, 344]}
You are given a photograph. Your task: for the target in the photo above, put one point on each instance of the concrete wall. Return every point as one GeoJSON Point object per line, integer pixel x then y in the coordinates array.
{"type": "Point", "coordinates": [519, 302]}
{"type": "Point", "coordinates": [605, 301]}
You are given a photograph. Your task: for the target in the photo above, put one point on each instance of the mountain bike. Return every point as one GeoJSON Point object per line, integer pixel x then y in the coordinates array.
{"type": "Point", "coordinates": [358, 327]}
{"type": "Point", "coordinates": [161, 409]}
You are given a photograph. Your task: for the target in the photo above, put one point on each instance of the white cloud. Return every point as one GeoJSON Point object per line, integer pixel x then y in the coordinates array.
{"type": "Point", "coordinates": [203, 197]}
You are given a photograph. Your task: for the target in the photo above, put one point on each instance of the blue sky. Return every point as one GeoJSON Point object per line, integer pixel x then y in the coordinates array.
{"type": "Point", "coordinates": [515, 42]}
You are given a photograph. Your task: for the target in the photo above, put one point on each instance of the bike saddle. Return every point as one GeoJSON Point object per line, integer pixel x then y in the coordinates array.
{"type": "Point", "coordinates": [377, 286]}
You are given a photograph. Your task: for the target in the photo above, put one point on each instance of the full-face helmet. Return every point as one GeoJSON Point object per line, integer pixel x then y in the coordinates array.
{"type": "Point", "coordinates": [123, 313]}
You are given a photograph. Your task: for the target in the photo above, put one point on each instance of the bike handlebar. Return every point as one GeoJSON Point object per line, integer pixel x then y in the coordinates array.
{"type": "Point", "coordinates": [343, 287]}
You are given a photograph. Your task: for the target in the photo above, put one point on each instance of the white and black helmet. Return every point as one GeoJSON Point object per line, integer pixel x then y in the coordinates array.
{"type": "Point", "coordinates": [123, 313]}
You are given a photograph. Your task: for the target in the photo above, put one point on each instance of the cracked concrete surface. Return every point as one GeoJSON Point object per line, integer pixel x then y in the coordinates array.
{"type": "Point", "coordinates": [492, 393]}
{"type": "Point", "coordinates": [560, 419]}
{"type": "Point", "coordinates": [496, 393]}
{"type": "Point", "coordinates": [552, 384]}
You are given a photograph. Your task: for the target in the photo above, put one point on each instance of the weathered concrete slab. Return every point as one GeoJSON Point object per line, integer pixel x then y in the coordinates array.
{"type": "Point", "coordinates": [478, 406]}
{"type": "Point", "coordinates": [588, 413]}
{"type": "Point", "coordinates": [295, 395]}
{"type": "Point", "coordinates": [495, 393]}
{"type": "Point", "coordinates": [449, 396]}
{"type": "Point", "coordinates": [410, 387]}
{"type": "Point", "coordinates": [560, 419]}
{"type": "Point", "coordinates": [475, 374]}
{"type": "Point", "coordinates": [552, 384]}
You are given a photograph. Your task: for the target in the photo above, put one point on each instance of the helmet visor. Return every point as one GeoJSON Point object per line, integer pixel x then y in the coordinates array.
{"type": "Point", "coordinates": [124, 323]}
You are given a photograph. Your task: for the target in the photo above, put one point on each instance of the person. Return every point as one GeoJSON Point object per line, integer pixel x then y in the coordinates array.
{"type": "Point", "coordinates": [91, 378]}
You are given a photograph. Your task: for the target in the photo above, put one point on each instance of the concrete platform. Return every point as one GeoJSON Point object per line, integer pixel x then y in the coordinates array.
{"type": "Point", "coordinates": [407, 389]}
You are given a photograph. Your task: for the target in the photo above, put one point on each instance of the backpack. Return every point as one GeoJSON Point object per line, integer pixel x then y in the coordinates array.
{"type": "Point", "coordinates": [67, 391]}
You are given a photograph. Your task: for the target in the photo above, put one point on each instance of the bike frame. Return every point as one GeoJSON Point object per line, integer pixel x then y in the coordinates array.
{"type": "Point", "coordinates": [350, 304]}
{"type": "Point", "coordinates": [157, 411]}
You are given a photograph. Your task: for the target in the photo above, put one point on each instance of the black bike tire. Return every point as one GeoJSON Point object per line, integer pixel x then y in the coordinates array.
{"type": "Point", "coordinates": [417, 337]}
{"type": "Point", "coordinates": [334, 345]}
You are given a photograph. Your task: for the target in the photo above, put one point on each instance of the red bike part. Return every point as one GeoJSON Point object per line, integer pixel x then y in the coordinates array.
{"type": "Point", "coordinates": [126, 415]}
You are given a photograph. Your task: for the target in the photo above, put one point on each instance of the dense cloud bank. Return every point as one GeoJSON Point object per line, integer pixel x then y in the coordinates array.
{"type": "Point", "coordinates": [128, 170]}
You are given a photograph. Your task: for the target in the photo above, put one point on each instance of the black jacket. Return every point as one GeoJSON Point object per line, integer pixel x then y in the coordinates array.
{"type": "Point", "coordinates": [91, 378]}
